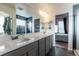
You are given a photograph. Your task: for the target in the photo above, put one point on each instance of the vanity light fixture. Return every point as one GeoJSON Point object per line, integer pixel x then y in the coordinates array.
{"type": "Point", "coordinates": [43, 13]}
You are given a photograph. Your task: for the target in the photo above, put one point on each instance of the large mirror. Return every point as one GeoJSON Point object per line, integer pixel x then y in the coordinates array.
{"type": "Point", "coordinates": [23, 24]}
{"type": "Point", "coordinates": [5, 23]}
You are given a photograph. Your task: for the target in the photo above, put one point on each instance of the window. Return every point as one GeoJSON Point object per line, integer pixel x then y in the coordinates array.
{"type": "Point", "coordinates": [21, 26]}
{"type": "Point", "coordinates": [1, 24]}
{"type": "Point", "coordinates": [56, 28]}
{"type": "Point", "coordinates": [61, 27]}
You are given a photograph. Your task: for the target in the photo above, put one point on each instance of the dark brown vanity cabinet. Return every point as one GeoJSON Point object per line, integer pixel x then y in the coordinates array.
{"type": "Point", "coordinates": [41, 47]}
{"type": "Point", "coordinates": [37, 48]}
{"type": "Point", "coordinates": [45, 44]}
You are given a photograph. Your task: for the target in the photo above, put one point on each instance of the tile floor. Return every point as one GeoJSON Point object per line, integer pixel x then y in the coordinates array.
{"type": "Point", "coordinates": [61, 49]}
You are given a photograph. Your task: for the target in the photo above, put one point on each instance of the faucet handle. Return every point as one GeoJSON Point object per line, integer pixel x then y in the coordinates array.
{"type": "Point", "coordinates": [14, 37]}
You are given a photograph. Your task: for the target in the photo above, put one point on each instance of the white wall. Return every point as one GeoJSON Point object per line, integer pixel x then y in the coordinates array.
{"type": "Point", "coordinates": [25, 12]}
{"type": "Point", "coordinates": [46, 8]}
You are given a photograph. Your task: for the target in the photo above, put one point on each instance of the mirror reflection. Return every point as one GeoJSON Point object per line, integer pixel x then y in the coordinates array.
{"type": "Point", "coordinates": [5, 23]}
{"type": "Point", "coordinates": [23, 25]}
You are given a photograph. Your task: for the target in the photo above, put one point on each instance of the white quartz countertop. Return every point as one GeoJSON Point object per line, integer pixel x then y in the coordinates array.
{"type": "Point", "coordinates": [7, 45]}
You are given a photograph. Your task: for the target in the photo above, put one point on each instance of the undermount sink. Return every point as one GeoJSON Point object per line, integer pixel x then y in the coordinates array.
{"type": "Point", "coordinates": [22, 41]}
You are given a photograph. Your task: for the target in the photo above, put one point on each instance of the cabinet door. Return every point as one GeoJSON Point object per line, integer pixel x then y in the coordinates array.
{"type": "Point", "coordinates": [33, 49]}
{"type": "Point", "coordinates": [47, 44]}
{"type": "Point", "coordinates": [51, 41]}
{"type": "Point", "coordinates": [42, 47]}
{"type": "Point", "coordinates": [33, 52]}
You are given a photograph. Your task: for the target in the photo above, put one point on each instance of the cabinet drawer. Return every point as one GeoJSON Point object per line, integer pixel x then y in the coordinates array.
{"type": "Point", "coordinates": [17, 52]}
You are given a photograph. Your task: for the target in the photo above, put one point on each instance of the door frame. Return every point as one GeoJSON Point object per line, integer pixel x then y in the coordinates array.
{"type": "Point", "coordinates": [75, 7]}
{"type": "Point", "coordinates": [63, 16]}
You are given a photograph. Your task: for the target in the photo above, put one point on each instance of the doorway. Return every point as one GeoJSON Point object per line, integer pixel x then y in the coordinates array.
{"type": "Point", "coordinates": [61, 30]}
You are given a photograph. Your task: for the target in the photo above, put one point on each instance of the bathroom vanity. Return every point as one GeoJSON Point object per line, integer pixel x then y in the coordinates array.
{"type": "Point", "coordinates": [37, 45]}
